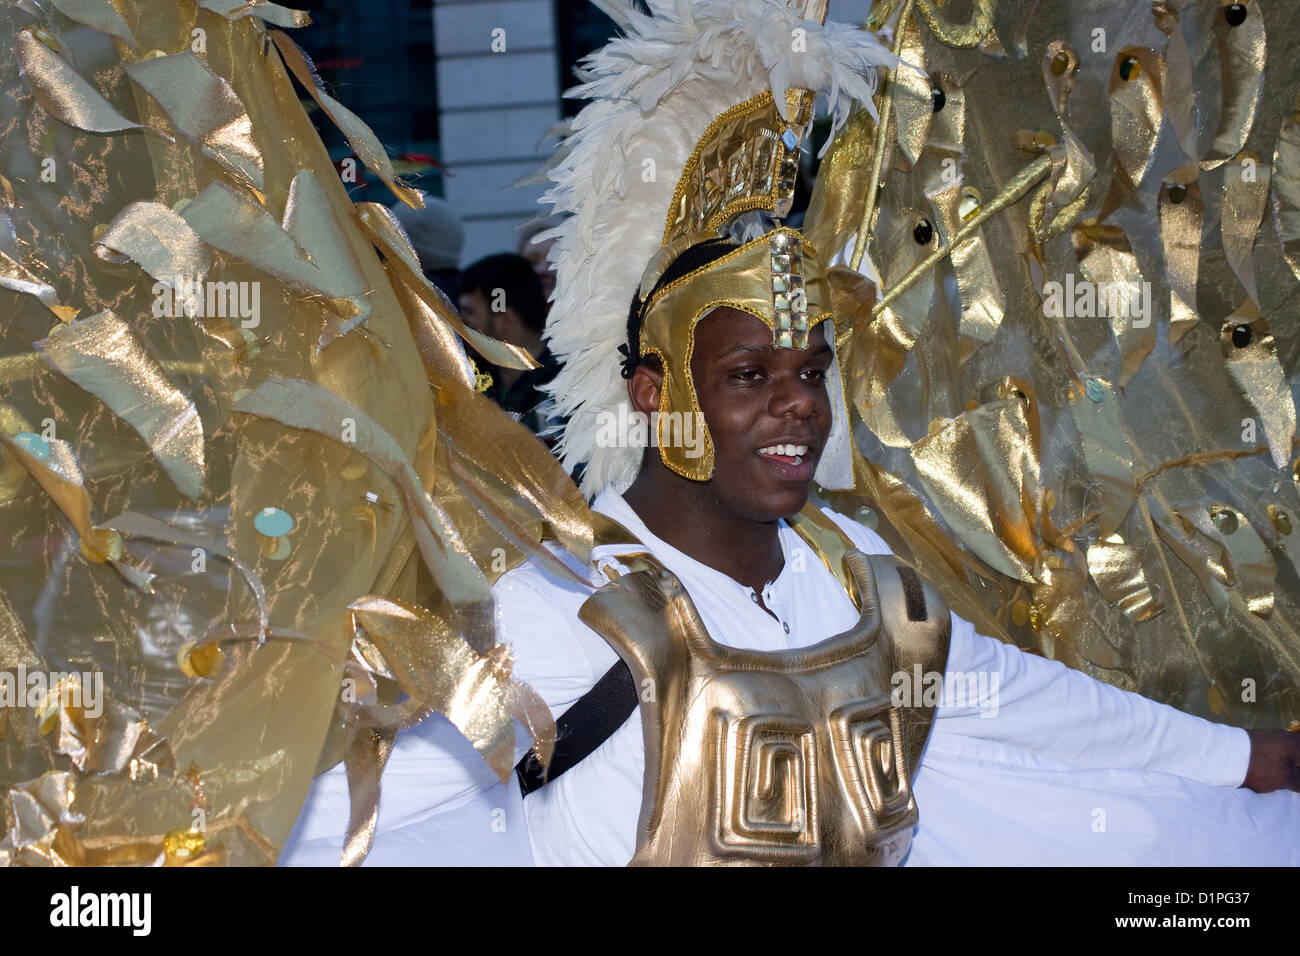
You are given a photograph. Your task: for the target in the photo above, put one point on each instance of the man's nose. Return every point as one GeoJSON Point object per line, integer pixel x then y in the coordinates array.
{"type": "Point", "coordinates": [792, 396]}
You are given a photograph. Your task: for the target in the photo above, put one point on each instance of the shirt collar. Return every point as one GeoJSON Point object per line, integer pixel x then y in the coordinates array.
{"type": "Point", "coordinates": [611, 502]}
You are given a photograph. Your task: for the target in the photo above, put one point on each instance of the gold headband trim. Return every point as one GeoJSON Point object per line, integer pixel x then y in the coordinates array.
{"type": "Point", "coordinates": [809, 253]}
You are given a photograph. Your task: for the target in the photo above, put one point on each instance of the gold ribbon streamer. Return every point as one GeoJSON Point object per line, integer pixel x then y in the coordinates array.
{"type": "Point", "coordinates": [158, 240]}
{"type": "Point", "coordinates": [440, 669]}
{"type": "Point", "coordinates": [1286, 187]}
{"type": "Point", "coordinates": [1117, 570]}
{"type": "Point", "coordinates": [16, 278]}
{"type": "Point", "coordinates": [464, 417]}
{"type": "Point", "coordinates": [489, 502]}
{"type": "Point", "coordinates": [1245, 194]}
{"type": "Point", "coordinates": [98, 15]}
{"type": "Point", "coordinates": [983, 304]}
{"type": "Point", "coordinates": [109, 742]}
{"type": "Point", "coordinates": [1252, 566]}
{"type": "Point", "coordinates": [1242, 54]}
{"type": "Point", "coordinates": [439, 346]}
{"type": "Point", "coordinates": [871, 352]}
{"type": "Point", "coordinates": [367, 752]}
{"type": "Point", "coordinates": [835, 208]}
{"type": "Point", "coordinates": [910, 93]}
{"type": "Point", "coordinates": [1108, 452]}
{"type": "Point", "coordinates": [102, 355]}
{"type": "Point", "coordinates": [310, 219]}
{"type": "Point", "coordinates": [981, 470]}
{"type": "Point", "coordinates": [1208, 559]}
{"type": "Point", "coordinates": [1136, 114]}
{"type": "Point", "coordinates": [281, 16]}
{"type": "Point", "coordinates": [242, 229]}
{"type": "Point", "coordinates": [1061, 609]}
{"type": "Point", "coordinates": [1180, 235]}
{"type": "Point", "coordinates": [64, 94]}
{"type": "Point", "coordinates": [359, 136]}
{"type": "Point", "coordinates": [205, 108]}
{"type": "Point", "coordinates": [880, 151]}
{"type": "Point", "coordinates": [384, 232]}
{"type": "Point", "coordinates": [1108, 263]}
{"type": "Point", "coordinates": [1180, 88]}
{"type": "Point", "coordinates": [1258, 371]}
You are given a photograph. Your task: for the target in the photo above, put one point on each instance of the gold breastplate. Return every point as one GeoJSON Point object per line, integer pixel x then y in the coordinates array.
{"type": "Point", "coordinates": [788, 757]}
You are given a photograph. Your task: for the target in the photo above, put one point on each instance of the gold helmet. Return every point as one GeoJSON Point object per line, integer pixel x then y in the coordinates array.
{"type": "Point", "coordinates": [696, 120]}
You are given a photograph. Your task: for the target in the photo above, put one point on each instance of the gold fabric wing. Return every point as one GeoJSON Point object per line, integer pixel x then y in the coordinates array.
{"type": "Point", "coordinates": [1078, 368]}
{"type": "Point", "coordinates": [225, 475]}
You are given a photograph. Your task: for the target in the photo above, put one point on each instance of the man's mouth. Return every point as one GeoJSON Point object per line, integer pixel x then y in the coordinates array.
{"type": "Point", "coordinates": [790, 454]}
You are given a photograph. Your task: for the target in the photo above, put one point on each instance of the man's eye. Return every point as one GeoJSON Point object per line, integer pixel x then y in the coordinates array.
{"type": "Point", "coordinates": [815, 375]}
{"type": "Point", "coordinates": [747, 374]}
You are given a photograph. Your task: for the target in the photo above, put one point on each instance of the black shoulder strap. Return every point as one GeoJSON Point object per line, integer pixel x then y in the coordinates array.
{"type": "Point", "coordinates": [582, 728]}
{"type": "Point", "coordinates": [597, 714]}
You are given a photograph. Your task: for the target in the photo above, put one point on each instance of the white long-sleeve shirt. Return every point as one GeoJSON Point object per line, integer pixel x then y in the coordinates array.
{"type": "Point", "coordinates": [1040, 765]}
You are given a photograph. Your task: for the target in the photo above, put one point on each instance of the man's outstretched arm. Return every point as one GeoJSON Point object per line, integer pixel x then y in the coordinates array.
{"type": "Point", "coordinates": [1053, 710]}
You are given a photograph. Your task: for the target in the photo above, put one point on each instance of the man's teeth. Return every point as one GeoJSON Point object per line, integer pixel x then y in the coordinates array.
{"type": "Point", "coordinates": [790, 451]}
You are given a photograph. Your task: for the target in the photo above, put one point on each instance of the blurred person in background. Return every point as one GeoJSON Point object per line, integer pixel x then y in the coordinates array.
{"type": "Point", "coordinates": [502, 295]}
{"type": "Point", "coordinates": [536, 252]}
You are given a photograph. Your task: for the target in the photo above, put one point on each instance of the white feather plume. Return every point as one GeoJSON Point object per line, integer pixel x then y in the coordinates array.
{"type": "Point", "coordinates": [652, 94]}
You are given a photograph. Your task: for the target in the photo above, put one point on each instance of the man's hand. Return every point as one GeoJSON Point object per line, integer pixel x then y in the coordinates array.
{"type": "Point", "coordinates": [1274, 761]}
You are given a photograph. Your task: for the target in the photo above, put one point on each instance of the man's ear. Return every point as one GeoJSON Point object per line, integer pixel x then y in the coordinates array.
{"type": "Point", "coordinates": [644, 386]}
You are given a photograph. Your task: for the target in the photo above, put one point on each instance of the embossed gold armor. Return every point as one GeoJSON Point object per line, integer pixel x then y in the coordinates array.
{"type": "Point", "coordinates": [787, 757]}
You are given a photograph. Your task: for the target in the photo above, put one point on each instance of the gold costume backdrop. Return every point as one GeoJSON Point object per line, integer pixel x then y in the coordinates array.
{"type": "Point", "coordinates": [272, 529]}
{"type": "Point", "coordinates": [1091, 392]}
{"type": "Point", "coordinates": [257, 524]}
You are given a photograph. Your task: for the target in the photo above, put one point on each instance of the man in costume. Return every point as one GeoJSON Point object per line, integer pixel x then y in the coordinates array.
{"type": "Point", "coordinates": [742, 677]}
{"type": "Point", "coordinates": [274, 530]}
